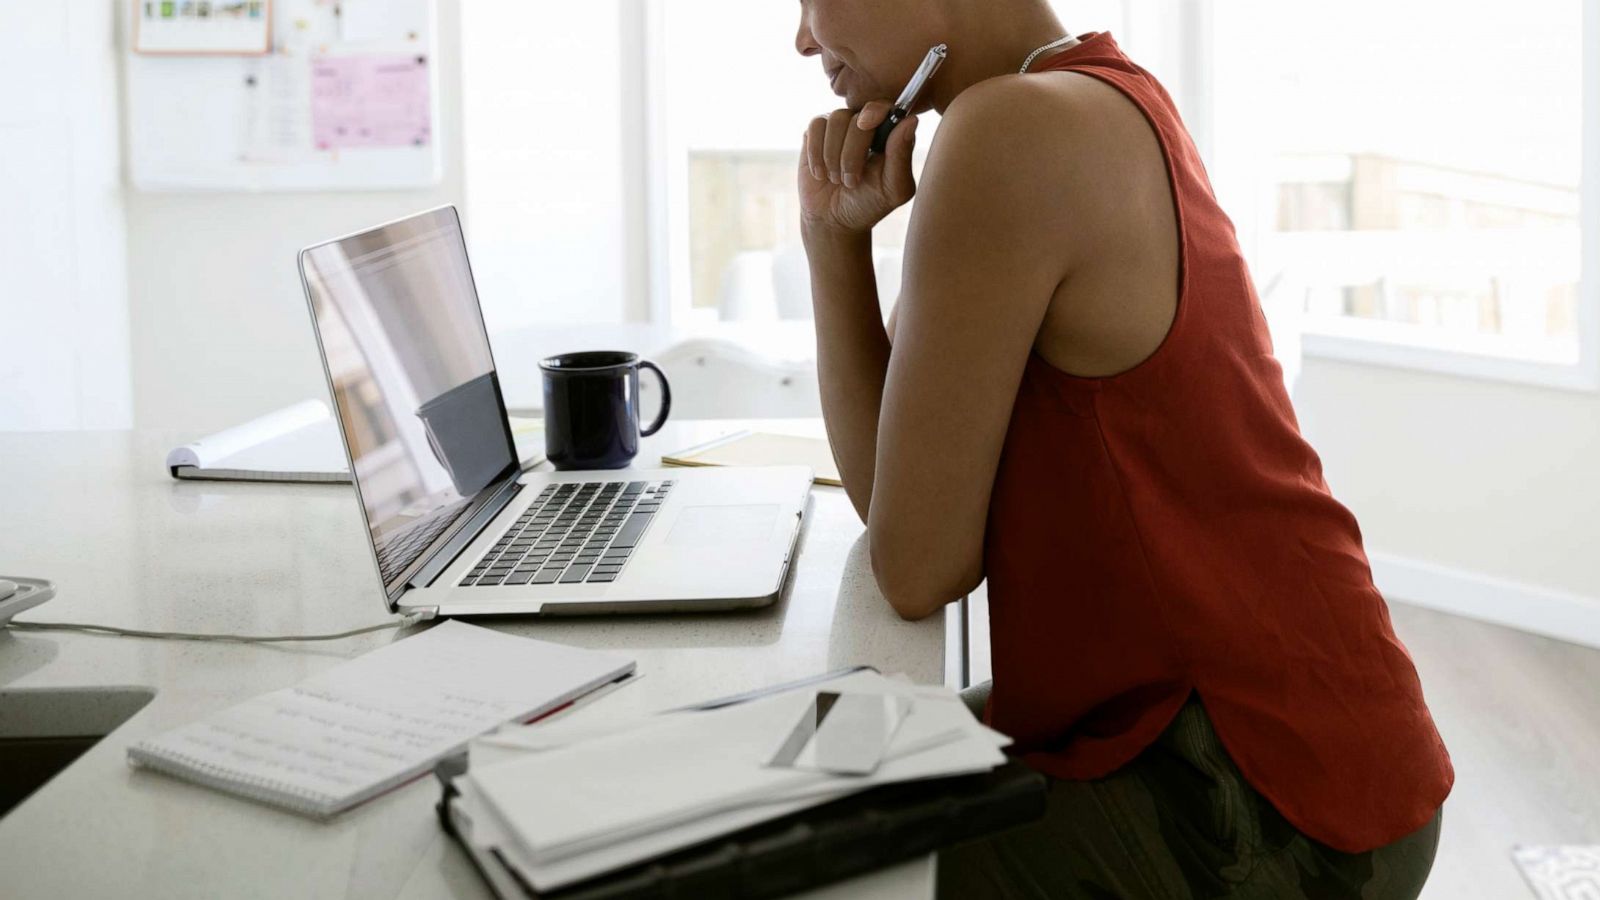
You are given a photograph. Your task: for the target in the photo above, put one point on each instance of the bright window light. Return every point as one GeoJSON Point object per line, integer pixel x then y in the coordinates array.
{"type": "Point", "coordinates": [1420, 168]}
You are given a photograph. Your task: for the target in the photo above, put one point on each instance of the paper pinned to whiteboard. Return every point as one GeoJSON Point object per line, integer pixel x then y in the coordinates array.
{"type": "Point", "coordinates": [370, 101]}
{"type": "Point", "coordinates": [277, 124]}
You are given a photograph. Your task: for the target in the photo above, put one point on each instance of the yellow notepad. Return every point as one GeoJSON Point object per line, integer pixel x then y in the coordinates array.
{"type": "Point", "coordinates": [754, 448]}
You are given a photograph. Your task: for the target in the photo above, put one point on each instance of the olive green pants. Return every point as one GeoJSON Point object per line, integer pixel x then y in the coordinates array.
{"type": "Point", "coordinates": [1177, 823]}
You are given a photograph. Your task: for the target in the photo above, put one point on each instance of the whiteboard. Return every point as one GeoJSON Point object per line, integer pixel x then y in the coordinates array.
{"type": "Point", "coordinates": [347, 99]}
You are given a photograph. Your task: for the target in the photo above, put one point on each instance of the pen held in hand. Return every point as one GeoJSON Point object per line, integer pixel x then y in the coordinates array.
{"type": "Point", "coordinates": [908, 97]}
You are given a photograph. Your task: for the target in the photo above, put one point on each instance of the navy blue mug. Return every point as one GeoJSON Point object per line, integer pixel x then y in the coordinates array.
{"type": "Point", "coordinates": [591, 408]}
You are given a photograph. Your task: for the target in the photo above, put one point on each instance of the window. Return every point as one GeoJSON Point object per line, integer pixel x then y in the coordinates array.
{"type": "Point", "coordinates": [1412, 191]}
{"type": "Point", "coordinates": [730, 101]}
{"type": "Point", "coordinates": [733, 99]}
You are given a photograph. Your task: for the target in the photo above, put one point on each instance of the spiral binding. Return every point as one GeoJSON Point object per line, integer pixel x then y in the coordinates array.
{"type": "Point", "coordinates": [271, 791]}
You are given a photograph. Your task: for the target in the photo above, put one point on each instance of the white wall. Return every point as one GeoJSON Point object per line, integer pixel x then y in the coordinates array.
{"type": "Point", "coordinates": [1497, 479]}
{"type": "Point", "coordinates": [219, 322]}
{"type": "Point", "coordinates": [63, 306]}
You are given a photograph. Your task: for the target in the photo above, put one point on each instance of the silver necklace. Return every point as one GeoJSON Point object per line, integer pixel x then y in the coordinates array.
{"type": "Point", "coordinates": [1069, 39]}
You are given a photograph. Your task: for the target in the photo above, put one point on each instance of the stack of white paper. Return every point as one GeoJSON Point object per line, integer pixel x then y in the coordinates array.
{"type": "Point", "coordinates": [562, 803]}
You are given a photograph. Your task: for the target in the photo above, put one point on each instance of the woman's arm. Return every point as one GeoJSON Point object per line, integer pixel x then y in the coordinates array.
{"type": "Point", "coordinates": [852, 355]}
{"type": "Point", "coordinates": [843, 194]}
{"type": "Point", "coordinates": [918, 431]}
{"type": "Point", "coordinates": [991, 239]}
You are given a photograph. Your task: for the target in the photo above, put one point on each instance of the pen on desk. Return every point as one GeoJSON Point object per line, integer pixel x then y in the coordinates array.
{"type": "Point", "coordinates": [909, 96]}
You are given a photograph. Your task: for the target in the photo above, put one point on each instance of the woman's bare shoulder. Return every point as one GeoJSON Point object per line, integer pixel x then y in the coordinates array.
{"type": "Point", "coordinates": [1071, 133]}
{"type": "Point", "coordinates": [1079, 109]}
{"type": "Point", "coordinates": [1062, 152]}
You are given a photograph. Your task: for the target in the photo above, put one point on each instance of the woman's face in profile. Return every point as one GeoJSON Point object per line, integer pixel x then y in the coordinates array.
{"type": "Point", "coordinates": [868, 48]}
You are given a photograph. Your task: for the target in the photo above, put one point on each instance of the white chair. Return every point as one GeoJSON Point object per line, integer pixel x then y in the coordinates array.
{"type": "Point", "coordinates": [719, 379]}
{"type": "Point", "coordinates": [1283, 305]}
{"type": "Point", "coordinates": [791, 279]}
{"type": "Point", "coordinates": [746, 293]}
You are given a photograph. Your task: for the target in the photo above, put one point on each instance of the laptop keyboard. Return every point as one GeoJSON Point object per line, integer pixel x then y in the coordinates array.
{"type": "Point", "coordinates": [572, 533]}
{"type": "Point", "coordinates": [396, 550]}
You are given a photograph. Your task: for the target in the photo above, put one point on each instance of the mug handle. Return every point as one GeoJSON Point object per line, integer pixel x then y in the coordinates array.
{"type": "Point", "coordinates": [666, 398]}
{"type": "Point", "coordinates": [433, 443]}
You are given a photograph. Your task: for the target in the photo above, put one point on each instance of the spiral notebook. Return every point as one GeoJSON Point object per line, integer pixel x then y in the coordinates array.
{"type": "Point", "coordinates": [296, 443]}
{"type": "Point", "coordinates": [299, 443]}
{"type": "Point", "coordinates": [376, 722]}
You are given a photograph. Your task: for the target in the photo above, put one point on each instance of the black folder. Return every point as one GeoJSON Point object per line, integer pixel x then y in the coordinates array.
{"type": "Point", "coordinates": [806, 849]}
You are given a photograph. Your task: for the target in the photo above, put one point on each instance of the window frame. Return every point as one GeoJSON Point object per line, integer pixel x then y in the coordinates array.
{"type": "Point", "coordinates": [667, 216]}
{"type": "Point", "coordinates": [1395, 345]}
{"type": "Point", "coordinates": [666, 180]}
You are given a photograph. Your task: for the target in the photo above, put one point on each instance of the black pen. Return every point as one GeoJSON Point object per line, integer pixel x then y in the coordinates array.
{"type": "Point", "coordinates": [909, 96]}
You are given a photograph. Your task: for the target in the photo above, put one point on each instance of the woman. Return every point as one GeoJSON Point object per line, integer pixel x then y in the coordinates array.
{"type": "Point", "coordinates": [1081, 406]}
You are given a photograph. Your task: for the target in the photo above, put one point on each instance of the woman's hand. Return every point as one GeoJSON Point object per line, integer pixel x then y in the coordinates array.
{"type": "Point", "coordinates": [842, 189]}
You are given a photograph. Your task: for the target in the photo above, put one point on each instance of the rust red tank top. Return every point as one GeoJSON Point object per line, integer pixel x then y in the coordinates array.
{"type": "Point", "coordinates": [1168, 531]}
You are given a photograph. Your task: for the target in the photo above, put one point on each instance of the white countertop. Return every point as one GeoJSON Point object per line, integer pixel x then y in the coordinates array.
{"type": "Point", "coordinates": [126, 545]}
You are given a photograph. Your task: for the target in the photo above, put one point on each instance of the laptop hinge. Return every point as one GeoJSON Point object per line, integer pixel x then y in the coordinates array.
{"type": "Point", "coordinates": [446, 553]}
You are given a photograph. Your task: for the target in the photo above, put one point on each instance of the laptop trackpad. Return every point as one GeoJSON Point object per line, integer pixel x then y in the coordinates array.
{"type": "Point", "coordinates": [751, 524]}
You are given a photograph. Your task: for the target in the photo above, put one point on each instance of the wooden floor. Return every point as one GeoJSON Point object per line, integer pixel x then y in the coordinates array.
{"type": "Point", "coordinates": [1521, 717]}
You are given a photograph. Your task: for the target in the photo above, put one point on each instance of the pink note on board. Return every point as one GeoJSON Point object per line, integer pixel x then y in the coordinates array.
{"type": "Point", "coordinates": [369, 101]}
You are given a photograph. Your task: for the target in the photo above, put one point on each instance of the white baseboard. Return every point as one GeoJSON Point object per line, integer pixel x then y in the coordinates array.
{"type": "Point", "coordinates": [1552, 613]}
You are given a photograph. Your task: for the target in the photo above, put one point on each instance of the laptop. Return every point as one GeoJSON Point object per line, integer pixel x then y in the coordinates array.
{"type": "Point", "coordinates": [456, 528]}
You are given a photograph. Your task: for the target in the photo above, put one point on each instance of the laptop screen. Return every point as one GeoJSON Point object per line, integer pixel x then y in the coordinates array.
{"type": "Point", "coordinates": [408, 359]}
